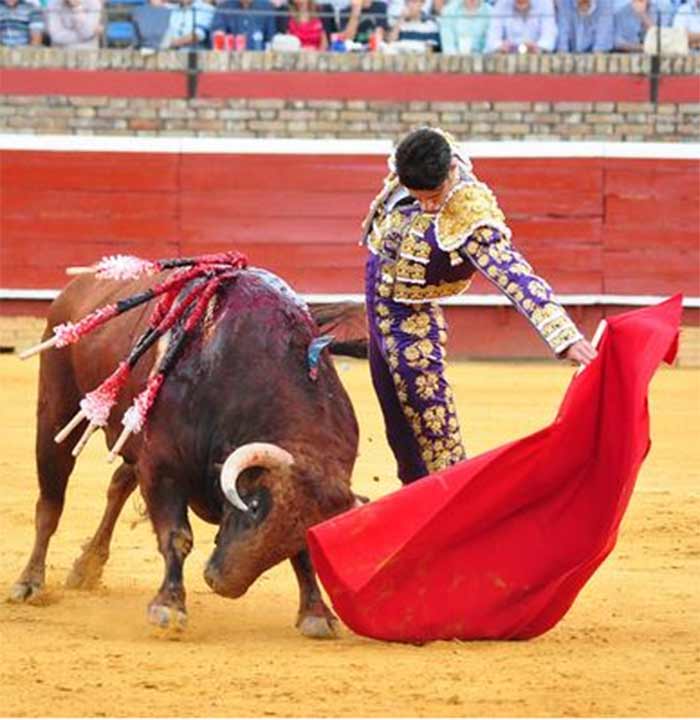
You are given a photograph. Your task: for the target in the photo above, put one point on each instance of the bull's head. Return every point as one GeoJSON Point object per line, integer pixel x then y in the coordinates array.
{"type": "Point", "coordinates": [270, 506]}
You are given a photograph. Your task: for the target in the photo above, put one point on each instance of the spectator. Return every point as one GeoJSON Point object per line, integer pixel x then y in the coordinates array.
{"type": "Point", "coordinates": [586, 26]}
{"type": "Point", "coordinates": [20, 23]}
{"type": "Point", "coordinates": [252, 18]}
{"type": "Point", "coordinates": [522, 26]}
{"type": "Point", "coordinates": [335, 15]}
{"type": "Point", "coordinates": [74, 23]}
{"type": "Point", "coordinates": [415, 25]}
{"type": "Point", "coordinates": [688, 18]}
{"type": "Point", "coordinates": [151, 22]}
{"type": "Point", "coordinates": [463, 26]}
{"type": "Point", "coordinates": [305, 24]}
{"type": "Point", "coordinates": [631, 24]}
{"type": "Point", "coordinates": [367, 17]}
{"type": "Point", "coordinates": [430, 7]}
{"type": "Point", "coordinates": [281, 8]}
{"type": "Point", "coordinates": [188, 25]}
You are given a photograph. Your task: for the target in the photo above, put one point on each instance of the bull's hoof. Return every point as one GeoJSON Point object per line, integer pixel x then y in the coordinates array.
{"type": "Point", "coordinates": [167, 618]}
{"type": "Point", "coordinates": [86, 572]}
{"type": "Point", "coordinates": [318, 627]}
{"type": "Point", "coordinates": [25, 591]}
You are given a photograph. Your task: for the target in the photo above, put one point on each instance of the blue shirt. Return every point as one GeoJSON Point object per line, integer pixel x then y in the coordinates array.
{"type": "Point", "coordinates": [629, 28]}
{"type": "Point", "coordinates": [463, 32]}
{"type": "Point", "coordinates": [537, 26]}
{"type": "Point", "coordinates": [593, 32]}
{"type": "Point", "coordinates": [185, 20]}
{"type": "Point", "coordinates": [258, 27]}
{"type": "Point", "coordinates": [18, 22]}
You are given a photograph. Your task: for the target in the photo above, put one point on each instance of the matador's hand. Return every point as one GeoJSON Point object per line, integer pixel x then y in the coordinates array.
{"type": "Point", "coordinates": [580, 353]}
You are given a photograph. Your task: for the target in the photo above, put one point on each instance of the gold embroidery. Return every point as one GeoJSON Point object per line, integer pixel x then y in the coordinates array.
{"type": "Point", "coordinates": [410, 270]}
{"type": "Point", "coordinates": [382, 310]}
{"type": "Point", "coordinates": [470, 206]}
{"type": "Point", "coordinates": [545, 313]}
{"type": "Point", "coordinates": [564, 339]}
{"type": "Point", "coordinates": [411, 245]}
{"type": "Point", "coordinates": [427, 385]}
{"type": "Point", "coordinates": [417, 324]}
{"type": "Point", "coordinates": [419, 293]}
{"type": "Point", "coordinates": [539, 289]}
{"type": "Point", "coordinates": [434, 418]}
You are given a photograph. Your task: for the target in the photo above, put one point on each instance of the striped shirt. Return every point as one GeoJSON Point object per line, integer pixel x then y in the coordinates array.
{"type": "Point", "coordinates": [18, 22]}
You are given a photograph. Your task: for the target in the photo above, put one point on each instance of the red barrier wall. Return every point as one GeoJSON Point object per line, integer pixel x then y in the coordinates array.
{"type": "Point", "coordinates": [616, 226]}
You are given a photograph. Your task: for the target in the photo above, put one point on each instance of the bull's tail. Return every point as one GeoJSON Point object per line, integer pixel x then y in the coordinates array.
{"type": "Point", "coordinates": [346, 322]}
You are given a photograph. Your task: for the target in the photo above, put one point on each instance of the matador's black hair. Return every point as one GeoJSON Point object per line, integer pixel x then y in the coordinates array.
{"type": "Point", "coordinates": [423, 159]}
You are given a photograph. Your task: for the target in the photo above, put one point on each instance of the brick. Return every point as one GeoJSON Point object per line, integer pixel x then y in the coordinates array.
{"type": "Point", "coordinates": [266, 104]}
{"type": "Point", "coordinates": [144, 123]}
{"type": "Point", "coordinates": [266, 125]}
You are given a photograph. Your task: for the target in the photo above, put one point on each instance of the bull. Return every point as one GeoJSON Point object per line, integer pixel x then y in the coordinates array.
{"type": "Point", "coordinates": [240, 434]}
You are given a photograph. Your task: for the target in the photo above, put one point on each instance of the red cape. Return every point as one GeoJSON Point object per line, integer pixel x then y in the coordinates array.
{"type": "Point", "coordinates": [499, 546]}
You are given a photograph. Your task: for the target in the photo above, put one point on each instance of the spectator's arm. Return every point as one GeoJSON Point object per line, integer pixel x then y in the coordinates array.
{"type": "Point", "coordinates": [479, 38]}
{"type": "Point", "coordinates": [548, 35]}
{"type": "Point", "coordinates": [36, 27]}
{"type": "Point", "coordinates": [87, 20]}
{"type": "Point", "coordinates": [448, 35]}
{"type": "Point", "coordinates": [354, 21]}
{"type": "Point", "coordinates": [269, 27]}
{"type": "Point", "coordinates": [604, 30]}
{"type": "Point", "coordinates": [496, 31]}
{"type": "Point", "coordinates": [563, 28]}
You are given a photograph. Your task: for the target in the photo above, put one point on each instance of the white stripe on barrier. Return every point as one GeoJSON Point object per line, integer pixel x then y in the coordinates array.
{"type": "Point", "coordinates": [291, 146]}
{"type": "Point", "coordinates": [468, 300]}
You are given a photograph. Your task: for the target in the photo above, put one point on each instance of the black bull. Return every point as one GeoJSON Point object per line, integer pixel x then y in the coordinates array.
{"type": "Point", "coordinates": [242, 378]}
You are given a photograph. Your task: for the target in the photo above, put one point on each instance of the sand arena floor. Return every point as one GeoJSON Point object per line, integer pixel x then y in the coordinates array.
{"type": "Point", "coordinates": [629, 646]}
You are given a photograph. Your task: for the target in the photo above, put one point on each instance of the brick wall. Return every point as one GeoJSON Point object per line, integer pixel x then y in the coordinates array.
{"type": "Point", "coordinates": [324, 117]}
{"type": "Point", "coordinates": [349, 118]}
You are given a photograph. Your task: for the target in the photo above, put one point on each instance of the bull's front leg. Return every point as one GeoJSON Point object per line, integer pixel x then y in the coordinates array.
{"type": "Point", "coordinates": [167, 506]}
{"type": "Point", "coordinates": [314, 620]}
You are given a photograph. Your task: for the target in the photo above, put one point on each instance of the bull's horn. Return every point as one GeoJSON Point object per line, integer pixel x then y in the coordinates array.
{"type": "Point", "coordinates": [250, 455]}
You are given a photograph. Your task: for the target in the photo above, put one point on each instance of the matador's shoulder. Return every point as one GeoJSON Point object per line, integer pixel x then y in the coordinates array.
{"type": "Point", "coordinates": [470, 206]}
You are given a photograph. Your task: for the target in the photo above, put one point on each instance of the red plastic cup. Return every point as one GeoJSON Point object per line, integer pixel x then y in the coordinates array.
{"type": "Point", "coordinates": [240, 42]}
{"type": "Point", "coordinates": [218, 40]}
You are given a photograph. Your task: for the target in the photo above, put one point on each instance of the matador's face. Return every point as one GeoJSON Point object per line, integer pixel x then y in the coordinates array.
{"type": "Point", "coordinates": [431, 201]}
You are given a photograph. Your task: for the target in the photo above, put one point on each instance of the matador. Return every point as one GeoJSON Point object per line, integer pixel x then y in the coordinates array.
{"type": "Point", "coordinates": [432, 227]}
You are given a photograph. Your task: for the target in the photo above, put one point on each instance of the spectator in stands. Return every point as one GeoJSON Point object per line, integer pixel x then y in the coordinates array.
{"type": "Point", "coordinates": [585, 26]}
{"type": "Point", "coordinates": [252, 18]}
{"type": "Point", "coordinates": [688, 18]}
{"type": "Point", "coordinates": [632, 22]}
{"type": "Point", "coordinates": [430, 7]}
{"type": "Point", "coordinates": [367, 17]}
{"type": "Point", "coordinates": [463, 26]}
{"type": "Point", "coordinates": [334, 15]}
{"type": "Point", "coordinates": [74, 23]}
{"type": "Point", "coordinates": [20, 23]}
{"type": "Point", "coordinates": [188, 25]}
{"type": "Point", "coordinates": [415, 25]}
{"type": "Point", "coordinates": [525, 26]}
{"type": "Point", "coordinates": [305, 24]}
{"type": "Point", "coordinates": [281, 9]}
{"type": "Point", "coordinates": [151, 22]}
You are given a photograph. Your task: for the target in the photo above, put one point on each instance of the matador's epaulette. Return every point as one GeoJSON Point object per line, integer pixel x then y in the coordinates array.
{"type": "Point", "coordinates": [468, 207]}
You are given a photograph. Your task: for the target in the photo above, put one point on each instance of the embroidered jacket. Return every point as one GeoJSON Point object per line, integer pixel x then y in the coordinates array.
{"type": "Point", "coordinates": [427, 256]}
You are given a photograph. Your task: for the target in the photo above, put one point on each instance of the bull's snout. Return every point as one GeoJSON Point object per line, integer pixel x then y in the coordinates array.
{"type": "Point", "coordinates": [229, 587]}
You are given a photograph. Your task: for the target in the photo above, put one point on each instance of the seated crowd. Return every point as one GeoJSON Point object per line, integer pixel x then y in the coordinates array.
{"type": "Point", "coordinates": [448, 26]}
